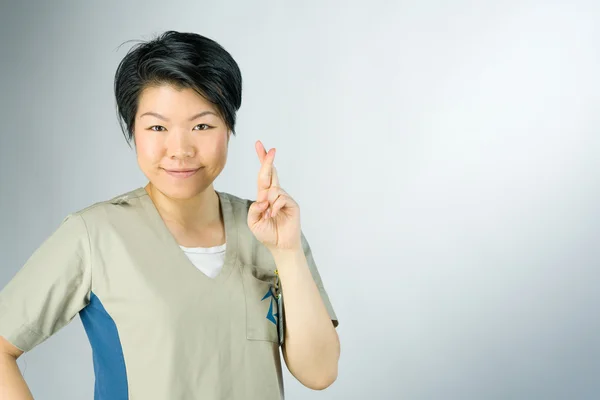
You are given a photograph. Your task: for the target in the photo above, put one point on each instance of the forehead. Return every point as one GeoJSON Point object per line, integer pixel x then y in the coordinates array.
{"type": "Point", "coordinates": [168, 99]}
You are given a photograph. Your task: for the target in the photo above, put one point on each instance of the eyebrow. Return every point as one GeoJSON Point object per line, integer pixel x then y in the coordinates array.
{"type": "Point", "coordinates": [157, 115]}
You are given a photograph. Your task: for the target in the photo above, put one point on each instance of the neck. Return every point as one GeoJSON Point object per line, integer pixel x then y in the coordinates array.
{"type": "Point", "coordinates": [193, 213]}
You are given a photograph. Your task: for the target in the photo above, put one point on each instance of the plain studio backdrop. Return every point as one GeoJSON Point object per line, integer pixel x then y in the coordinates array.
{"type": "Point", "coordinates": [445, 156]}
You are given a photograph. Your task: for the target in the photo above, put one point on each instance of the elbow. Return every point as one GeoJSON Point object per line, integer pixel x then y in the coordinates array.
{"type": "Point", "coordinates": [323, 376]}
{"type": "Point", "coordinates": [317, 377]}
{"type": "Point", "coordinates": [328, 372]}
{"type": "Point", "coordinates": [323, 381]}
{"type": "Point", "coordinates": [317, 370]}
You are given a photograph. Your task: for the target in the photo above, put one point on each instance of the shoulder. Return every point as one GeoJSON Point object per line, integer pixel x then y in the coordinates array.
{"type": "Point", "coordinates": [117, 206]}
{"type": "Point", "coordinates": [130, 204]}
{"type": "Point", "coordinates": [238, 203]}
{"type": "Point", "coordinates": [235, 198]}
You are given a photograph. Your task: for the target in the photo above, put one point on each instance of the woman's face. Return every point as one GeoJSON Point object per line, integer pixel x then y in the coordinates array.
{"type": "Point", "coordinates": [181, 141]}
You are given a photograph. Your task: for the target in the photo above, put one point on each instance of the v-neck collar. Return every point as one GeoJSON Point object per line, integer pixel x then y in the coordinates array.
{"type": "Point", "coordinates": [171, 245]}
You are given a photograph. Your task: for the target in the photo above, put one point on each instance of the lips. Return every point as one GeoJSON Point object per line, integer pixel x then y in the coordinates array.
{"type": "Point", "coordinates": [181, 173]}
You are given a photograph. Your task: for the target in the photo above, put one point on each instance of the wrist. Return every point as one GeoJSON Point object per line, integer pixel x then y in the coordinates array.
{"type": "Point", "coordinates": [286, 256]}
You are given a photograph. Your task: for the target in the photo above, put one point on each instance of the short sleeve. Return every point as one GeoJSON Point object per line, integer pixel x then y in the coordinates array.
{"type": "Point", "coordinates": [317, 278]}
{"type": "Point", "coordinates": [51, 287]}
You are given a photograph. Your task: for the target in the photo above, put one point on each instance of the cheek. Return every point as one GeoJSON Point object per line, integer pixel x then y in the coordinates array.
{"type": "Point", "coordinates": [217, 146]}
{"type": "Point", "coordinates": [148, 151]}
{"type": "Point", "coordinates": [222, 149]}
{"type": "Point", "coordinates": [222, 145]}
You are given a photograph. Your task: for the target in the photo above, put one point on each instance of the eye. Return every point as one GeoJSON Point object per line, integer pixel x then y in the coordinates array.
{"type": "Point", "coordinates": [161, 128]}
{"type": "Point", "coordinates": [205, 127]}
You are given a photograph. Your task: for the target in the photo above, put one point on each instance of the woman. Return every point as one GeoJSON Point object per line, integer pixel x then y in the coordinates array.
{"type": "Point", "coordinates": [179, 287]}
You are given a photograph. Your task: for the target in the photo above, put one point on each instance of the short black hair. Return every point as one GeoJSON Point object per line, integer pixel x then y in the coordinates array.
{"type": "Point", "coordinates": [184, 60]}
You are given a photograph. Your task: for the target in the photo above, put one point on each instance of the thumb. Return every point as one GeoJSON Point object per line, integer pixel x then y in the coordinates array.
{"type": "Point", "coordinates": [256, 210]}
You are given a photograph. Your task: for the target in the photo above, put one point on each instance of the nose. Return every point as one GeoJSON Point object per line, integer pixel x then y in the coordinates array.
{"type": "Point", "coordinates": [180, 145]}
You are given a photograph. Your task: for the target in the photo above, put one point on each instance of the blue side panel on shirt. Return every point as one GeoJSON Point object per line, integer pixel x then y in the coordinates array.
{"type": "Point", "coordinates": [109, 364]}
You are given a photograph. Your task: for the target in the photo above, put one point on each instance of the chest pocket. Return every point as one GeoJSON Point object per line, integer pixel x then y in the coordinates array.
{"type": "Point", "coordinates": [262, 316]}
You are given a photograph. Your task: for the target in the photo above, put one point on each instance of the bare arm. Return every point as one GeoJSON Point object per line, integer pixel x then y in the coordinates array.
{"type": "Point", "coordinates": [311, 349]}
{"type": "Point", "coordinates": [12, 384]}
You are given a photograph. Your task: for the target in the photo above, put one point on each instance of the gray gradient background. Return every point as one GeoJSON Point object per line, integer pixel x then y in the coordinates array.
{"type": "Point", "coordinates": [444, 155]}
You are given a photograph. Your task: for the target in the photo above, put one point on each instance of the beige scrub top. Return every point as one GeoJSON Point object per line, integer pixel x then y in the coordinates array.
{"type": "Point", "coordinates": [158, 327]}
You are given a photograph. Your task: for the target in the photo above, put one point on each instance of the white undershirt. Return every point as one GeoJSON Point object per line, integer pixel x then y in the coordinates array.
{"type": "Point", "coordinates": [209, 260]}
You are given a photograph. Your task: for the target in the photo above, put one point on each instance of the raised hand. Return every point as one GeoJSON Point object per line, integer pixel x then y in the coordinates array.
{"type": "Point", "coordinates": [274, 218]}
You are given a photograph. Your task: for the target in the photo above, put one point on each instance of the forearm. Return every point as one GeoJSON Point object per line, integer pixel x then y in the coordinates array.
{"type": "Point", "coordinates": [311, 347]}
{"type": "Point", "coordinates": [12, 384]}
